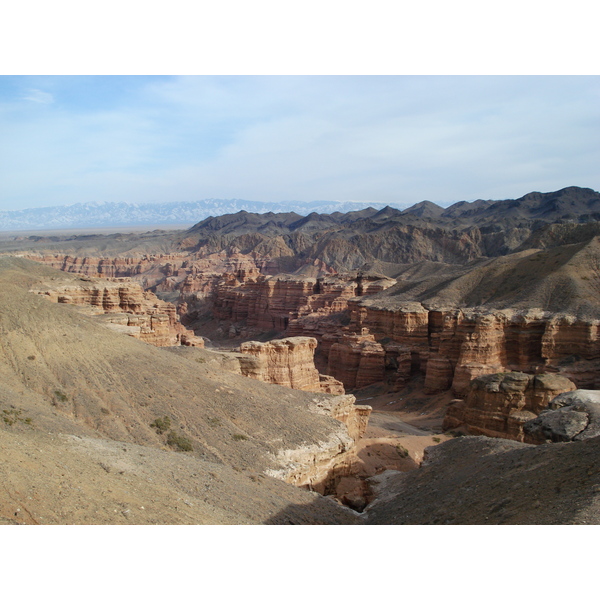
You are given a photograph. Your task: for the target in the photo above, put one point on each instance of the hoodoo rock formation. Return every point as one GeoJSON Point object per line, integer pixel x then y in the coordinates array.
{"type": "Point", "coordinates": [499, 405]}
{"type": "Point", "coordinates": [288, 362]}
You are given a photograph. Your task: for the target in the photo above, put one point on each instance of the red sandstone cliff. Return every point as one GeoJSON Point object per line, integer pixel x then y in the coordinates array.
{"type": "Point", "coordinates": [452, 347]}
{"type": "Point", "coordinates": [357, 361]}
{"type": "Point", "coordinates": [125, 307]}
{"type": "Point", "coordinates": [288, 362]}
{"type": "Point", "coordinates": [448, 346]}
{"type": "Point", "coordinates": [271, 302]}
{"type": "Point", "coordinates": [498, 405]}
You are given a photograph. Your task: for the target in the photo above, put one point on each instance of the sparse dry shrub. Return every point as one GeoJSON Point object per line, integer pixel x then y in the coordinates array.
{"type": "Point", "coordinates": [179, 442]}
{"type": "Point", "coordinates": [60, 396]}
{"type": "Point", "coordinates": [402, 451]}
{"type": "Point", "coordinates": [161, 425]}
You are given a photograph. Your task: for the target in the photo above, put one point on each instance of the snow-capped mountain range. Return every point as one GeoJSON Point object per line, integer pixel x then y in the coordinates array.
{"type": "Point", "coordinates": [123, 214]}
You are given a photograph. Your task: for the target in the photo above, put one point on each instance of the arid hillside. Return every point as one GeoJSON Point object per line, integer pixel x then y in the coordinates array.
{"type": "Point", "coordinates": [483, 481]}
{"type": "Point", "coordinates": [562, 279]}
{"type": "Point", "coordinates": [93, 420]}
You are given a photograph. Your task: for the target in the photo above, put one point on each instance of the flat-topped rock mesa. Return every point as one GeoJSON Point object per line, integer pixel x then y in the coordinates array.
{"type": "Point", "coordinates": [123, 306]}
{"type": "Point", "coordinates": [499, 405]}
{"type": "Point", "coordinates": [288, 362]}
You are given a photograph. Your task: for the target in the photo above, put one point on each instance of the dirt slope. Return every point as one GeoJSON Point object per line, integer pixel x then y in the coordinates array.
{"type": "Point", "coordinates": [50, 478]}
{"type": "Point", "coordinates": [62, 373]}
{"type": "Point", "coordinates": [564, 279]}
{"type": "Point", "coordinates": [477, 480]}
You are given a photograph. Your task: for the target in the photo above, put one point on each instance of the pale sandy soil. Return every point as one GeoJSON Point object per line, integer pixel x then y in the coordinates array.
{"type": "Point", "coordinates": [401, 426]}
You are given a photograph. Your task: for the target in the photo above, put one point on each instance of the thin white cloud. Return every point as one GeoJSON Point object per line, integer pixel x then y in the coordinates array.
{"type": "Point", "coordinates": [39, 96]}
{"type": "Point", "coordinates": [390, 139]}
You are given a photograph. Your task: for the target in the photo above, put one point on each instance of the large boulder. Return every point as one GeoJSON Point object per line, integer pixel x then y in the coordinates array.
{"type": "Point", "coordinates": [572, 416]}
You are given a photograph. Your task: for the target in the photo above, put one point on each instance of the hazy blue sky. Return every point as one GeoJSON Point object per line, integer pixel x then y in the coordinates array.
{"type": "Point", "coordinates": [70, 139]}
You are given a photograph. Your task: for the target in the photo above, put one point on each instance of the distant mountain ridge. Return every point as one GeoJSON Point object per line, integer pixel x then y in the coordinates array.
{"type": "Point", "coordinates": [389, 237]}
{"type": "Point", "coordinates": [123, 214]}
{"type": "Point", "coordinates": [571, 204]}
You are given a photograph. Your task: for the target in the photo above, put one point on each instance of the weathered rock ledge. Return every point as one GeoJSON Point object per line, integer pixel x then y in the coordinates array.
{"type": "Point", "coordinates": [499, 405]}
{"type": "Point", "coordinates": [311, 466]}
{"type": "Point", "coordinates": [571, 417]}
{"type": "Point", "coordinates": [123, 306]}
{"type": "Point", "coordinates": [288, 362]}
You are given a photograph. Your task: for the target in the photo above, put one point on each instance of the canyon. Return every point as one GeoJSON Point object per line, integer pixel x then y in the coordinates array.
{"type": "Point", "coordinates": [477, 317]}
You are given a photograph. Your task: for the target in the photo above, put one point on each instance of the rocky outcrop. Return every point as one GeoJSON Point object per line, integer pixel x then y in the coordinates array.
{"type": "Point", "coordinates": [571, 416]}
{"type": "Point", "coordinates": [498, 405]}
{"type": "Point", "coordinates": [274, 302]}
{"type": "Point", "coordinates": [123, 306]}
{"type": "Point", "coordinates": [311, 466]}
{"type": "Point", "coordinates": [451, 347]}
{"type": "Point", "coordinates": [343, 408]}
{"type": "Point", "coordinates": [152, 329]}
{"type": "Point", "coordinates": [106, 296]}
{"type": "Point", "coordinates": [357, 361]}
{"type": "Point", "coordinates": [288, 362]}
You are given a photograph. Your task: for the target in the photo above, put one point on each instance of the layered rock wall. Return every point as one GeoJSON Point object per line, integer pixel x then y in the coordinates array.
{"type": "Point", "coordinates": [498, 405]}
{"type": "Point", "coordinates": [451, 347]}
{"type": "Point", "coordinates": [290, 303]}
{"type": "Point", "coordinates": [288, 362]}
{"type": "Point", "coordinates": [357, 361]}
{"type": "Point", "coordinates": [123, 306]}
{"type": "Point", "coordinates": [102, 267]}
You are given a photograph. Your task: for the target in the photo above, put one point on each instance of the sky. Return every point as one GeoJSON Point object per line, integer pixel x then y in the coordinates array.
{"type": "Point", "coordinates": [68, 139]}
